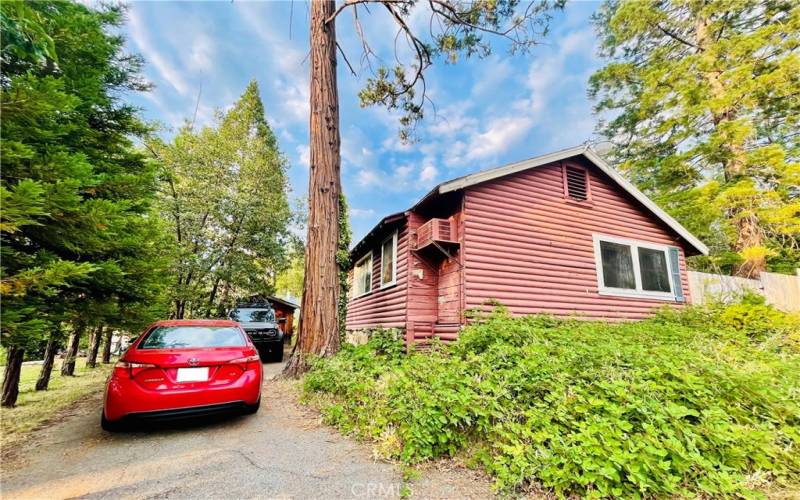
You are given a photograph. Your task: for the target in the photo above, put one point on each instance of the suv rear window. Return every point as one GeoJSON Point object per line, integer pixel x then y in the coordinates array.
{"type": "Point", "coordinates": [177, 337]}
{"type": "Point", "coordinates": [253, 315]}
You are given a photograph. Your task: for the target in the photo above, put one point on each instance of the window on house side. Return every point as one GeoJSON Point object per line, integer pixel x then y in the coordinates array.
{"type": "Point", "coordinates": [617, 265]}
{"type": "Point", "coordinates": [389, 260]}
{"type": "Point", "coordinates": [362, 276]}
{"type": "Point", "coordinates": [653, 266]}
{"type": "Point", "coordinates": [633, 268]}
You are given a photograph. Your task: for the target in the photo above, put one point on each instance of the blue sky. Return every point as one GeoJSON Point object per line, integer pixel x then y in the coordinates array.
{"type": "Point", "coordinates": [488, 111]}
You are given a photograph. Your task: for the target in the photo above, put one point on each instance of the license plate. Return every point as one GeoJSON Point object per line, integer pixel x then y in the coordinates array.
{"type": "Point", "coordinates": [193, 374]}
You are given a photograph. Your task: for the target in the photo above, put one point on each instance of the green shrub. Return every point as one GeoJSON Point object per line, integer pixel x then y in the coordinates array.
{"type": "Point", "coordinates": [651, 408]}
{"type": "Point", "coordinates": [751, 317]}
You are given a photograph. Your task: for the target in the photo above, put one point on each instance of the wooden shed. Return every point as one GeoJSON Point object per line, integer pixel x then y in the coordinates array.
{"type": "Point", "coordinates": [284, 313]}
{"type": "Point", "coordinates": [561, 234]}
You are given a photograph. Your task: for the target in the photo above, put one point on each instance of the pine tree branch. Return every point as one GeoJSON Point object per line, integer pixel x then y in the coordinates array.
{"type": "Point", "coordinates": [676, 37]}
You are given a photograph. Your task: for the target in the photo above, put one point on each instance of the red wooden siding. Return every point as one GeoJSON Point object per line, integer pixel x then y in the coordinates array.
{"type": "Point", "coordinates": [529, 248]}
{"type": "Point", "coordinates": [385, 307]}
{"type": "Point", "coordinates": [449, 289]}
{"type": "Point", "coordinates": [422, 283]}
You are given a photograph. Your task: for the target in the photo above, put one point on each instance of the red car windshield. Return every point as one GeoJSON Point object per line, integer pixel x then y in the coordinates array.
{"type": "Point", "coordinates": [179, 337]}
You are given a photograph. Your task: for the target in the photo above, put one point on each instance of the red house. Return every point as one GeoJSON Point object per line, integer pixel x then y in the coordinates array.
{"type": "Point", "coordinates": [561, 234]}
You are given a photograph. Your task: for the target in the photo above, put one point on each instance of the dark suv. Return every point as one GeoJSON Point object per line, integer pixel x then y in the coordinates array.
{"type": "Point", "coordinates": [258, 320]}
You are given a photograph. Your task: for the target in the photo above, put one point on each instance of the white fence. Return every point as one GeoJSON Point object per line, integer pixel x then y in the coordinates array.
{"type": "Point", "coordinates": [780, 290]}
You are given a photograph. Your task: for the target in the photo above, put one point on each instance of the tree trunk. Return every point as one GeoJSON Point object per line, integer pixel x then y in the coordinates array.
{"type": "Point", "coordinates": [68, 367]}
{"type": "Point", "coordinates": [213, 296]}
{"type": "Point", "coordinates": [319, 323]}
{"type": "Point", "coordinates": [744, 220]}
{"type": "Point", "coordinates": [11, 377]}
{"type": "Point", "coordinates": [94, 347]}
{"type": "Point", "coordinates": [47, 366]}
{"type": "Point", "coordinates": [107, 346]}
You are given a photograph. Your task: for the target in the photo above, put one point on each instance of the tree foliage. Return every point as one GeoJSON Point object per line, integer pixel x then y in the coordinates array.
{"type": "Point", "coordinates": [343, 260]}
{"type": "Point", "coordinates": [224, 197]}
{"type": "Point", "coordinates": [79, 240]}
{"type": "Point", "coordinates": [702, 103]}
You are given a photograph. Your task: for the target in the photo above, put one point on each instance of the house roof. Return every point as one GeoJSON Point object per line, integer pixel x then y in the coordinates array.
{"type": "Point", "coordinates": [282, 301]}
{"type": "Point", "coordinates": [538, 161]}
{"type": "Point", "coordinates": [260, 299]}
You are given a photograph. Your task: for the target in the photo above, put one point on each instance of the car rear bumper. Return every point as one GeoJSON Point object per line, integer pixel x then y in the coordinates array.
{"type": "Point", "coordinates": [125, 397]}
{"type": "Point", "coordinates": [186, 413]}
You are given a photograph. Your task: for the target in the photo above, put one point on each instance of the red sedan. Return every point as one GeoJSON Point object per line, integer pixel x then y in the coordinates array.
{"type": "Point", "coordinates": [183, 368]}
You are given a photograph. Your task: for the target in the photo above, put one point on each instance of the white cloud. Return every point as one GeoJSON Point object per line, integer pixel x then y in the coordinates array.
{"type": "Point", "coordinates": [546, 78]}
{"type": "Point", "coordinates": [500, 134]}
{"type": "Point", "coordinates": [362, 212]}
{"type": "Point", "coordinates": [402, 172]}
{"type": "Point", "coordinates": [355, 149]}
{"type": "Point", "coordinates": [367, 177]}
{"type": "Point", "coordinates": [428, 173]}
{"type": "Point", "coordinates": [453, 120]}
{"type": "Point", "coordinates": [490, 73]}
{"type": "Point", "coordinates": [284, 59]}
{"type": "Point", "coordinates": [201, 57]}
{"type": "Point", "coordinates": [304, 155]}
{"type": "Point", "coordinates": [167, 70]}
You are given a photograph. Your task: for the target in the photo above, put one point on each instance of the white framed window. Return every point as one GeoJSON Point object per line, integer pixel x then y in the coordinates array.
{"type": "Point", "coordinates": [362, 276]}
{"type": "Point", "coordinates": [632, 268]}
{"type": "Point", "coordinates": [389, 261]}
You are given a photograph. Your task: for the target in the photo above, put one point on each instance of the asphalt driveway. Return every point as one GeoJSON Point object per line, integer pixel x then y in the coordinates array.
{"type": "Point", "coordinates": [280, 452]}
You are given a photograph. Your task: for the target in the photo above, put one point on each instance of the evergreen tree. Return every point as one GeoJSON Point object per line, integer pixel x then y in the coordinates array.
{"type": "Point", "coordinates": [76, 196]}
{"type": "Point", "coordinates": [704, 106]}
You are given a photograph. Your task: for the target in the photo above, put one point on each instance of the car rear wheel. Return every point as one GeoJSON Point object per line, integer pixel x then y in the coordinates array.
{"type": "Point", "coordinates": [251, 409]}
{"type": "Point", "coordinates": [109, 425]}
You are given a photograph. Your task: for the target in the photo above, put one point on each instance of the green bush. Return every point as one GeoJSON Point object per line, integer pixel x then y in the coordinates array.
{"type": "Point", "coordinates": [751, 317]}
{"type": "Point", "coordinates": [651, 408]}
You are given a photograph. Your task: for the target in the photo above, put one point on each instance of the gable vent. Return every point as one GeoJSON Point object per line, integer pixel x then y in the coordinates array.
{"type": "Point", "coordinates": [576, 183]}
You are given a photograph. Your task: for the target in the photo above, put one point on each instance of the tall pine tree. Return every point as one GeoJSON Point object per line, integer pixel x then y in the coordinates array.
{"type": "Point", "coordinates": [76, 195]}
{"type": "Point", "coordinates": [704, 106]}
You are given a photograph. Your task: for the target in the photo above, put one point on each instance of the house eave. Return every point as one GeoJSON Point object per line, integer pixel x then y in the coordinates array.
{"type": "Point", "coordinates": [355, 251]}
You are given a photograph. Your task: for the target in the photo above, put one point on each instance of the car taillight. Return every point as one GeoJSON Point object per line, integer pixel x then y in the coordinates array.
{"type": "Point", "coordinates": [245, 360]}
{"type": "Point", "coordinates": [124, 369]}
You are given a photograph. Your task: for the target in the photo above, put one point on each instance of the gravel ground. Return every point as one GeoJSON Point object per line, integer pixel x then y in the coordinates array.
{"type": "Point", "coordinates": [280, 452]}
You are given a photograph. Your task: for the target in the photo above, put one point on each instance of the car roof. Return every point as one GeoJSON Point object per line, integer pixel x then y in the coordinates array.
{"type": "Point", "coordinates": [196, 322]}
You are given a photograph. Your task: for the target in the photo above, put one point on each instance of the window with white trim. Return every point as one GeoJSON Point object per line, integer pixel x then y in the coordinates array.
{"type": "Point", "coordinates": [362, 276]}
{"type": "Point", "coordinates": [636, 268]}
{"type": "Point", "coordinates": [389, 261]}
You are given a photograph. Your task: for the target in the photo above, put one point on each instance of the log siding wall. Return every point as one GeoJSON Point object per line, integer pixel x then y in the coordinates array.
{"type": "Point", "coordinates": [531, 249]}
{"type": "Point", "coordinates": [382, 307]}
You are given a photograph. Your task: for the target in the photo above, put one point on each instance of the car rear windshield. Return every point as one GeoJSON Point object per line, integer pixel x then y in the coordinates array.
{"type": "Point", "coordinates": [253, 315]}
{"type": "Point", "coordinates": [176, 337]}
